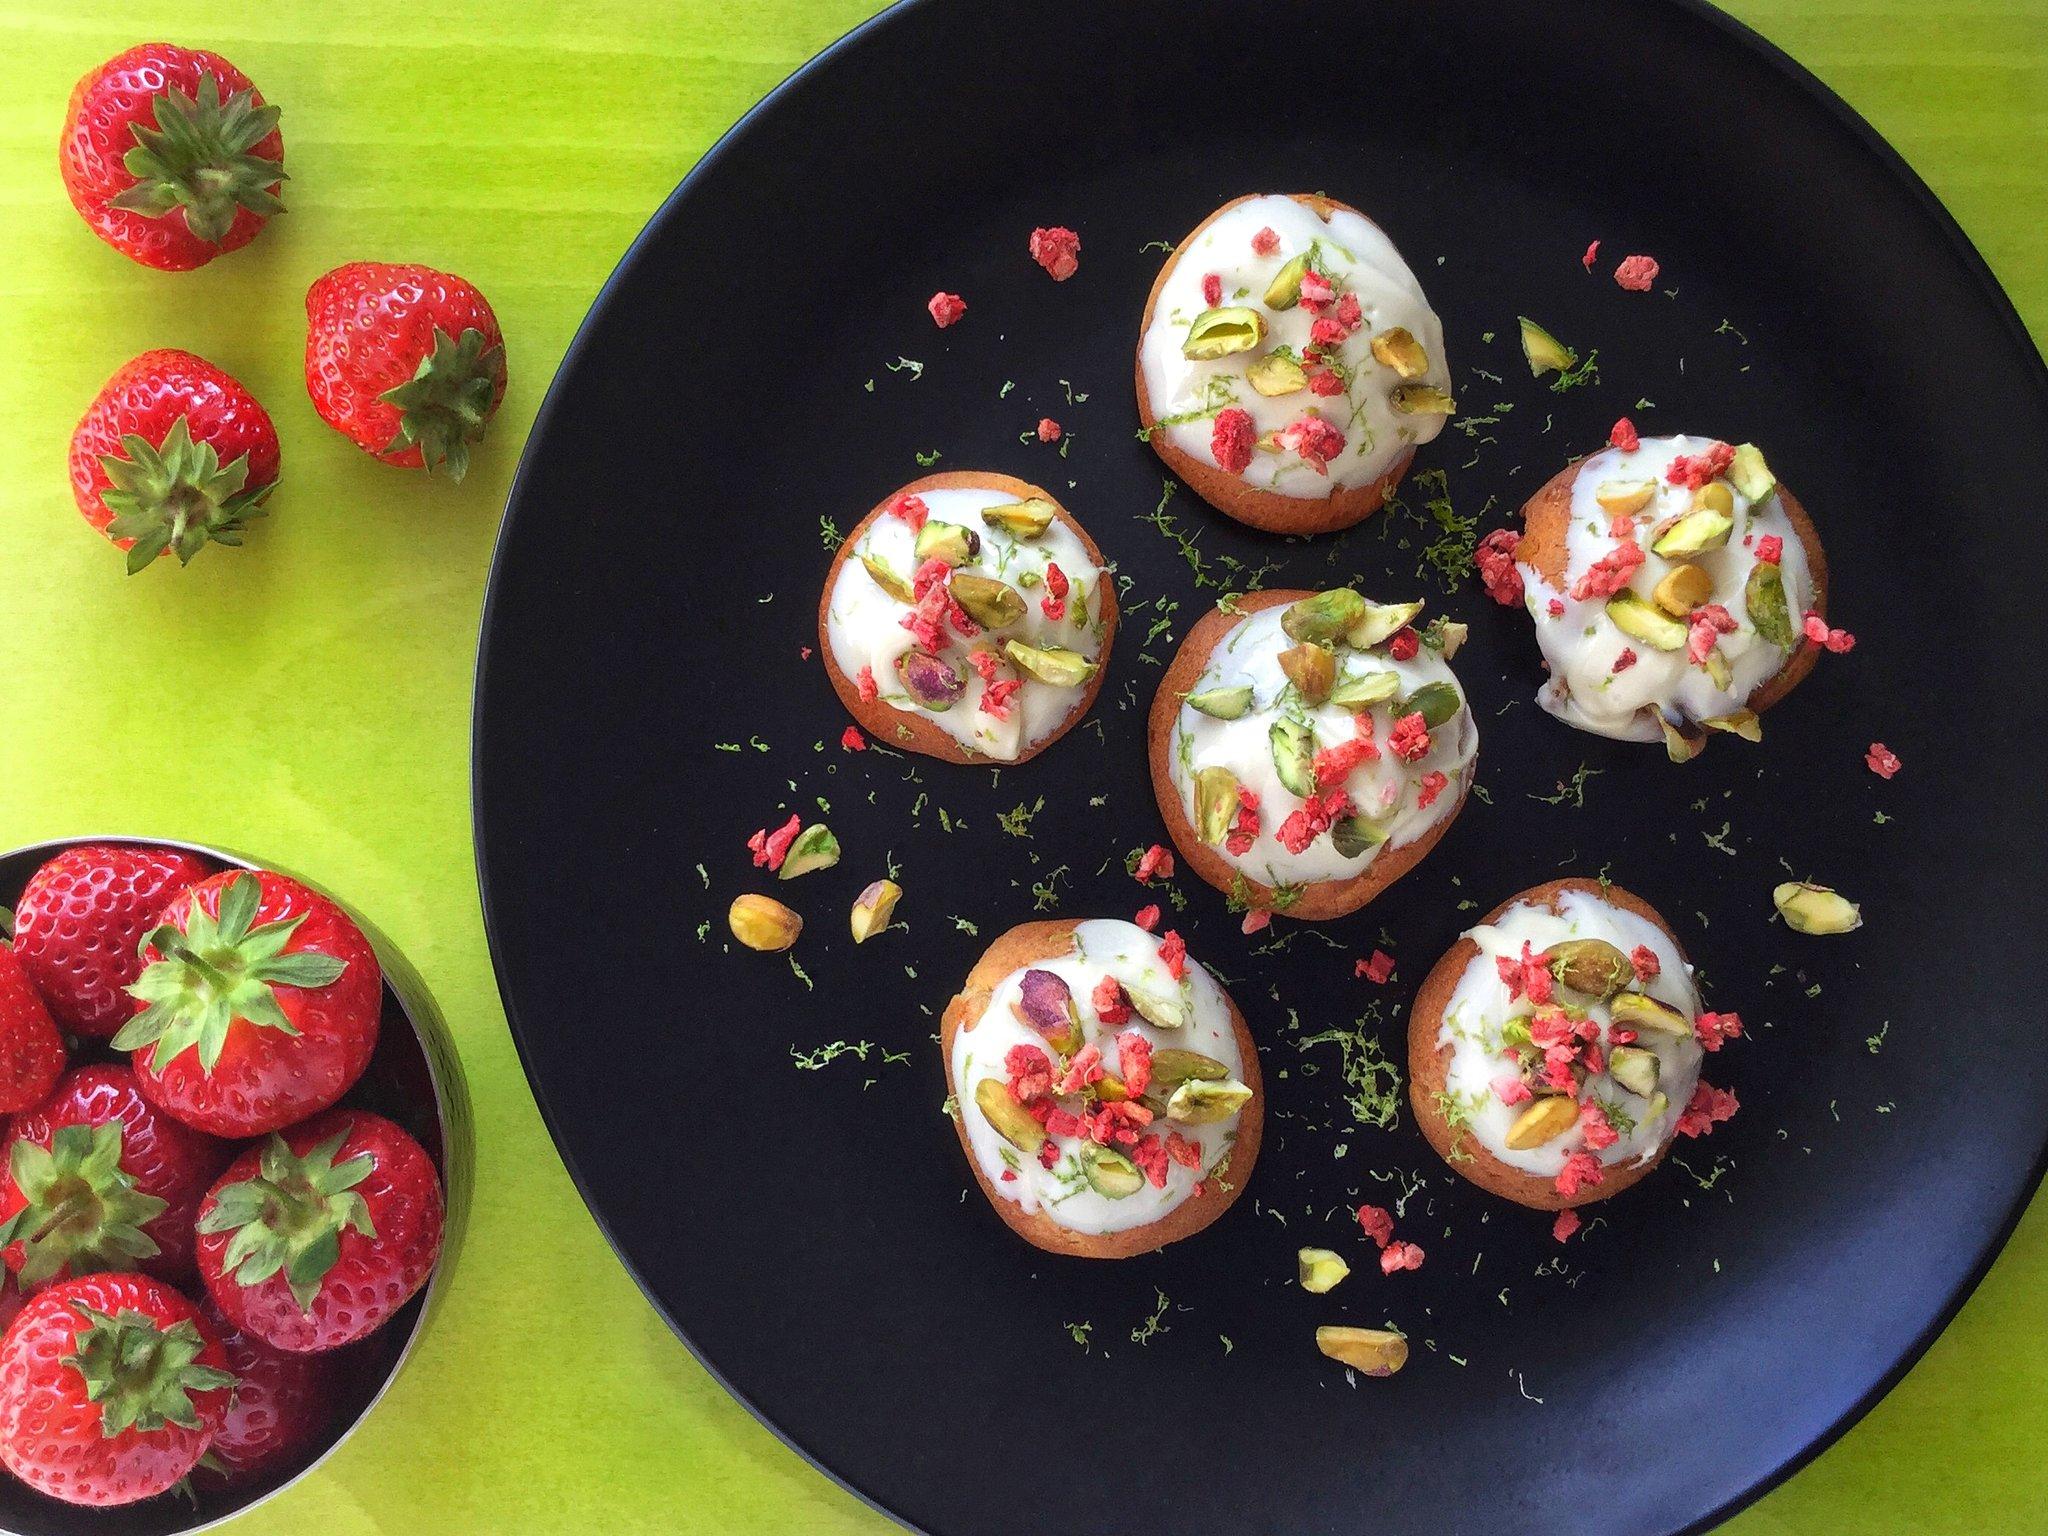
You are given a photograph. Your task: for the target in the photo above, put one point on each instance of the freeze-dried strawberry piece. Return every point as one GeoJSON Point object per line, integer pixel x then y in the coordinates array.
{"type": "Point", "coordinates": [1084, 1069]}
{"type": "Point", "coordinates": [1396, 1257]}
{"type": "Point", "coordinates": [1707, 1108]}
{"type": "Point", "coordinates": [1643, 960]}
{"type": "Point", "coordinates": [851, 739]}
{"type": "Point", "coordinates": [946, 308]}
{"type": "Point", "coordinates": [1581, 1170]}
{"type": "Point", "coordinates": [1565, 1226]}
{"type": "Point", "coordinates": [1173, 954]}
{"type": "Point", "coordinates": [1716, 1029]}
{"type": "Point", "coordinates": [911, 509]}
{"type": "Point", "coordinates": [1815, 628]}
{"type": "Point", "coordinates": [1315, 817]}
{"type": "Point", "coordinates": [1212, 288]}
{"type": "Point", "coordinates": [1592, 255]}
{"type": "Point", "coordinates": [1511, 1090]}
{"type": "Point", "coordinates": [1379, 969]}
{"type": "Point", "coordinates": [1054, 603]}
{"type": "Point", "coordinates": [1048, 430]}
{"type": "Point", "coordinates": [1231, 440]}
{"type": "Point", "coordinates": [1431, 785]}
{"type": "Point", "coordinates": [1266, 241]}
{"type": "Point", "coordinates": [1030, 1073]}
{"type": "Point", "coordinates": [1638, 274]}
{"type": "Point", "coordinates": [1623, 436]}
{"type": "Point", "coordinates": [1058, 250]}
{"type": "Point", "coordinates": [1148, 917]}
{"type": "Point", "coordinates": [1704, 626]}
{"type": "Point", "coordinates": [1610, 573]}
{"type": "Point", "coordinates": [1409, 739]}
{"type": "Point", "coordinates": [1111, 1006]}
{"type": "Point", "coordinates": [1187, 1153]}
{"type": "Point", "coordinates": [1882, 760]}
{"type": "Point", "coordinates": [1314, 439]}
{"type": "Point", "coordinates": [1377, 1223]}
{"type": "Point", "coordinates": [1316, 291]}
{"type": "Point", "coordinates": [771, 848]}
{"type": "Point", "coordinates": [1595, 1126]}
{"type": "Point", "coordinates": [1693, 470]}
{"type": "Point", "coordinates": [864, 683]}
{"type": "Point", "coordinates": [1155, 863]}
{"type": "Point", "coordinates": [995, 698]}
{"type": "Point", "coordinates": [1770, 549]}
{"type": "Point", "coordinates": [1624, 661]}
{"type": "Point", "coordinates": [1134, 1062]}
{"type": "Point", "coordinates": [1404, 645]}
{"type": "Point", "coordinates": [1495, 558]}
{"type": "Point", "coordinates": [1150, 1155]}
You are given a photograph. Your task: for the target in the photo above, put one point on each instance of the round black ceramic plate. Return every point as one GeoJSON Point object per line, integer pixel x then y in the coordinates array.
{"type": "Point", "coordinates": [644, 703]}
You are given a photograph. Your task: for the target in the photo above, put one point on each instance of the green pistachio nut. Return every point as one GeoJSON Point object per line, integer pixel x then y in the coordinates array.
{"type": "Point", "coordinates": [1222, 703]}
{"type": "Point", "coordinates": [1381, 622]}
{"type": "Point", "coordinates": [1365, 690]}
{"type": "Point", "coordinates": [1294, 754]}
{"type": "Point", "coordinates": [1421, 400]}
{"type": "Point", "coordinates": [1635, 1068]}
{"type": "Point", "coordinates": [1592, 966]}
{"type": "Point", "coordinates": [1053, 665]}
{"type": "Point", "coordinates": [815, 848]}
{"type": "Point", "coordinates": [1399, 350]}
{"type": "Point", "coordinates": [1221, 332]}
{"type": "Point", "coordinates": [887, 579]}
{"type": "Point", "coordinates": [1810, 908]}
{"type": "Point", "coordinates": [1640, 619]}
{"type": "Point", "coordinates": [1284, 292]}
{"type": "Point", "coordinates": [1751, 475]}
{"type": "Point", "coordinates": [990, 603]}
{"type": "Point", "coordinates": [1215, 803]}
{"type": "Point", "coordinates": [1171, 1066]}
{"type": "Point", "coordinates": [1108, 1172]}
{"type": "Point", "coordinates": [1355, 836]}
{"type": "Point", "coordinates": [1325, 618]}
{"type": "Point", "coordinates": [1311, 668]}
{"type": "Point", "coordinates": [948, 542]}
{"type": "Point", "coordinates": [1020, 519]}
{"type": "Point", "coordinates": [1276, 374]}
{"type": "Point", "coordinates": [1694, 533]}
{"type": "Point", "coordinates": [1546, 354]}
{"type": "Point", "coordinates": [1368, 1351]}
{"type": "Point", "coordinates": [1011, 1120]}
{"type": "Point", "coordinates": [1437, 703]}
{"type": "Point", "coordinates": [1641, 1012]}
{"type": "Point", "coordinates": [1763, 598]}
{"type": "Point", "coordinates": [1201, 1102]}
{"type": "Point", "coordinates": [1320, 1270]}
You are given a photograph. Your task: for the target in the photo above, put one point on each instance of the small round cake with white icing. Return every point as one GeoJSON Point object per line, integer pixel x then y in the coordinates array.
{"type": "Point", "coordinates": [1555, 1052]}
{"type": "Point", "coordinates": [1289, 363]}
{"type": "Point", "coordinates": [1670, 581]}
{"type": "Point", "coordinates": [1104, 1087]}
{"type": "Point", "coordinates": [968, 617]}
{"type": "Point", "coordinates": [1308, 748]}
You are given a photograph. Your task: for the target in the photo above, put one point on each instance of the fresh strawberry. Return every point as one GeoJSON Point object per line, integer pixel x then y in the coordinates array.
{"type": "Point", "coordinates": [317, 1237]}
{"type": "Point", "coordinates": [79, 924]}
{"type": "Point", "coordinates": [171, 156]}
{"type": "Point", "coordinates": [171, 453]}
{"type": "Point", "coordinates": [406, 362]}
{"type": "Point", "coordinates": [111, 1386]}
{"type": "Point", "coordinates": [262, 1001]}
{"type": "Point", "coordinates": [99, 1178]}
{"type": "Point", "coordinates": [281, 1405]}
{"type": "Point", "coordinates": [31, 1050]}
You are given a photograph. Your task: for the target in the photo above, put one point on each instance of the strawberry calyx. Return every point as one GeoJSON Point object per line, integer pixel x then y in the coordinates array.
{"type": "Point", "coordinates": [84, 1212]}
{"type": "Point", "coordinates": [141, 1373]}
{"type": "Point", "coordinates": [178, 496]}
{"type": "Point", "coordinates": [215, 971]}
{"type": "Point", "coordinates": [444, 405]}
{"type": "Point", "coordinates": [289, 1219]}
{"type": "Point", "coordinates": [200, 157]}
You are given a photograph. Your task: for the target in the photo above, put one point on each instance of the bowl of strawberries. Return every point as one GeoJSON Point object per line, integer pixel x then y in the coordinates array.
{"type": "Point", "coordinates": [237, 1157]}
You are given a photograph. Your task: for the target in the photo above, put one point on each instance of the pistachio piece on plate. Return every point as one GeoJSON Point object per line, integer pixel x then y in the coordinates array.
{"type": "Point", "coordinates": [1171, 1065]}
{"type": "Point", "coordinates": [1682, 743]}
{"type": "Point", "coordinates": [1284, 292]}
{"type": "Point", "coordinates": [815, 848]}
{"type": "Point", "coordinates": [1311, 668]}
{"type": "Point", "coordinates": [1810, 908]}
{"type": "Point", "coordinates": [887, 579]}
{"type": "Point", "coordinates": [1381, 621]}
{"type": "Point", "coordinates": [990, 603]}
{"type": "Point", "coordinates": [1643, 620]}
{"type": "Point", "coordinates": [1026, 519]}
{"type": "Point", "coordinates": [1592, 966]}
{"type": "Point", "coordinates": [1320, 1270]}
{"type": "Point", "coordinates": [762, 922]}
{"type": "Point", "coordinates": [934, 684]}
{"type": "Point", "coordinates": [1276, 374]}
{"type": "Point", "coordinates": [1546, 354]}
{"type": "Point", "coordinates": [1109, 1173]}
{"type": "Point", "coordinates": [1639, 1011]}
{"type": "Point", "coordinates": [1369, 1351]}
{"type": "Point", "coordinates": [1051, 664]}
{"type": "Point", "coordinates": [873, 909]}
{"type": "Point", "coordinates": [1215, 803]}
{"type": "Point", "coordinates": [1740, 722]}
{"type": "Point", "coordinates": [948, 542]}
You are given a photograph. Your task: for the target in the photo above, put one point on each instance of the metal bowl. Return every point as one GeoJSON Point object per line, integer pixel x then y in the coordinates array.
{"type": "Point", "coordinates": [415, 1080]}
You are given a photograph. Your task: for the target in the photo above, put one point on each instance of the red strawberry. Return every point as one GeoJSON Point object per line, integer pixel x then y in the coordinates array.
{"type": "Point", "coordinates": [99, 1178]}
{"type": "Point", "coordinates": [110, 1388]}
{"type": "Point", "coordinates": [281, 1405]}
{"type": "Point", "coordinates": [171, 156]}
{"type": "Point", "coordinates": [79, 924]}
{"type": "Point", "coordinates": [406, 362]}
{"type": "Point", "coordinates": [262, 1005]}
{"type": "Point", "coordinates": [317, 1237]}
{"type": "Point", "coordinates": [171, 453]}
{"type": "Point", "coordinates": [31, 1050]}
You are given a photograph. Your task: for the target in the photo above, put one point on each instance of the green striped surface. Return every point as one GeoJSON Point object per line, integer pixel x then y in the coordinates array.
{"type": "Point", "coordinates": [308, 698]}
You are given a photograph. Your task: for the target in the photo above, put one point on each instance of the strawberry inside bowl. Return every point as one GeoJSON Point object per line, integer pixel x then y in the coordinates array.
{"type": "Point", "coordinates": [295, 1158]}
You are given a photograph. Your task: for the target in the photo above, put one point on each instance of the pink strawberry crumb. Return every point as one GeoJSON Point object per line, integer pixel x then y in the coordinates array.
{"type": "Point", "coordinates": [1396, 1257]}
{"type": "Point", "coordinates": [1377, 1223]}
{"type": "Point", "coordinates": [1058, 250]}
{"type": "Point", "coordinates": [1638, 274]}
{"type": "Point", "coordinates": [1148, 917]}
{"type": "Point", "coordinates": [1379, 970]}
{"type": "Point", "coordinates": [1266, 241]}
{"type": "Point", "coordinates": [1592, 255]}
{"type": "Point", "coordinates": [1566, 1225]}
{"type": "Point", "coordinates": [851, 739]}
{"type": "Point", "coordinates": [1881, 760]}
{"type": "Point", "coordinates": [946, 308]}
{"type": "Point", "coordinates": [1155, 863]}
{"type": "Point", "coordinates": [1623, 436]}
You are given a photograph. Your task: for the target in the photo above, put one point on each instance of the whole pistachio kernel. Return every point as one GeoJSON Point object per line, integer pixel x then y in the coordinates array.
{"type": "Point", "coordinates": [1368, 1351]}
{"type": "Point", "coordinates": [1201, 1102]}
{"type": "Point", "coordinates": [1763, 598]}
{"type": "Point", "coordinates": [948, 542]}
{"type": "Point", "coordinates": [1320, 1270]}
{"type": "Point", "coordinates": [1815, 909]}
{"type": "Point", "coordinates": [1421, 400]}
{"type": "Point", "coordinates": [1294, 753]}
{"type": "Point", "coordinates": [1162, 1010]}
{"type": "Point", "coordinates": [1639, 1011]}
{"type": "Point", "coordinates": [1053, 665]}
{"type": "Point", "coordinates": [1311, 668]}
{"type": "Point", "coordinates": [815, 848]}
{"type": "Point", "coordinates": [1222, 703]}
{"type": "Point", "coordinates": [1276, 374]}
{"type": "Point", "coordinates": [1592, 966]}
{"type": "Point", "coordinates": [1624, 498]}
{"type": "Point", "coordinates": [1437, 703]}
{"type": "Point", "coordinates": [1325, 617]}
{"type": "Point", "coordinates": [1221, 332]}
{"type": "Point", "coordinates": [887, 579]}
{"type": "Point", "coordinates": [1635, 1068]}
{"type": "Point", "coordinates": [1715, 496]}
{"type": "Point", "coordinates": [1216, 800]}
{"type": "Point", "coordinates": [1284, 292]}
{"type": "Point", "coordinates": [1398, 349]}
{"type": "Point", "coordinates": [1171, 1066]}
{"type": "Point", "coordinates": [933, 684]}
{"type": "Point", "coordinates": [1682, 589]}
{"type": "Point", "coordinates": [1108, 1172]}
{"type": "Point", "coordinates": [1046, 1003]}
{"type": "Point", "coordinates": [1750, 474]}
{"type": "Point", "coordinates": [1543, 1121]}
{"type": "Point", "coordinates": [990, 603]}
{"type": "Point", "coordinates": [1026, 519]}
{"type": "Point", "coordinates": [1009, 1119]}
{"type": "Point", "coordinates": [873, 909]}
{"type": "Point", "coordinates": [1355, 836]}
{"type": "Point", "coordinates": [1696, 532]}
{"type": "Point", "coordinates": [1643, 620]}
{"type": "Point", "coordinates": [763, 923]}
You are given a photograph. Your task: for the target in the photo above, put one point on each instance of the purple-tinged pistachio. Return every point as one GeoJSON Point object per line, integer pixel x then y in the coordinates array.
{"type": "Point", "coordinates": [873, 909]}
{"type": "Point", "coordinates": [1592, 966]}
{"type": "Point", "coordinates": [990, 603]}
{"type": "Point", "coordinates": [1325, 618]}
{"type": "Point", "coordinates": [936, 685]}
{"type": "Point", "coordinates": [1046, 1003]}
{"type": "Point", "coordinates": [1009, 1119]}
{"type": "Point", "coordinates": [1311, 668]}
{"type": "Point", "coordinates": [1368, 1351]}
{"type": "Point", "coordinates": [1398, 349]}
{"type": "Point", "coordinates": [1810, 908]}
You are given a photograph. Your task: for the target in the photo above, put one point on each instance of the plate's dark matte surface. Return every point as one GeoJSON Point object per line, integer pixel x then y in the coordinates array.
{"type": "Point", "coordinates": [810, 1234]}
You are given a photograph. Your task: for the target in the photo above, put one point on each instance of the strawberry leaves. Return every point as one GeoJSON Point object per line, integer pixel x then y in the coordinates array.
{"type": "Point", "coordinates": [289, 1219]}
{"type": "Point", "coordinates": [443, 407]}
{"type": "Point", "coordinates": [216, 971]}
{"type": "Point", "coordinates": [177, 496]}
{"type": "Point", "coordinates": [141, 1373]}
{"type": "Point", "coordinates": [84, 1212]}
{"type": "Point", "coordinates": [200, 158]}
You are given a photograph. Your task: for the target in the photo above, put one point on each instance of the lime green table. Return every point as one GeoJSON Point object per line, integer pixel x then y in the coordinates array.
{"type": "Point", "coordinates": [307, 699]}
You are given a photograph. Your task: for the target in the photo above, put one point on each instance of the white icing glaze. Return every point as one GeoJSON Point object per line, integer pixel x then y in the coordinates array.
{"type": "Point", "coordinates": [1582, 643]}
{"type": "Point", "coordinates": [1385, 789]}
{"type": "Point", "coordinates": [1102, 947]}
{"type": "Point", "coordinates": [865, 628]}
{"type": "Point", "coordinates": [1479, 1006]}
{"type": "Point", "coordinates": [1361, 259]}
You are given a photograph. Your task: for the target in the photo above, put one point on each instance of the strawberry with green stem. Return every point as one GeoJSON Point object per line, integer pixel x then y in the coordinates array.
{"type": "Point", "coordinates": [172, 454]}
{"type": "Point", "coordinates": [260, 1005]}
{"type": "Point", "coordinates": [317, 1237]}
{"type": "Point", "coordinates": [406, 362]}
{"type": "Point", "coordinates": [171, 156]}
{"type": "Point", "coordinates": [111, 1388]}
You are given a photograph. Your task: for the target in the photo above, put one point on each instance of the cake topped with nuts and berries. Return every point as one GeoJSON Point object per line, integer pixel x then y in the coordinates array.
{"type": "Point", "coordinates": [968, 616]}
{"type": "Point", "coordinates": [1677, 589]}
{"type": "Point", "coordinates": [1556, 1050]}
{"type": "Point", "coordinates": [1290, 364]}
{"type": "Point", "coordinates": [1104, 1085]}
{"type": "Point", "coordinates": [1309, 747]}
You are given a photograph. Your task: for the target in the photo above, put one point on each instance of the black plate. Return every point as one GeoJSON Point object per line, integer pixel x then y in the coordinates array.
{"type": "Point", "coordinates": [813, 1236]}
